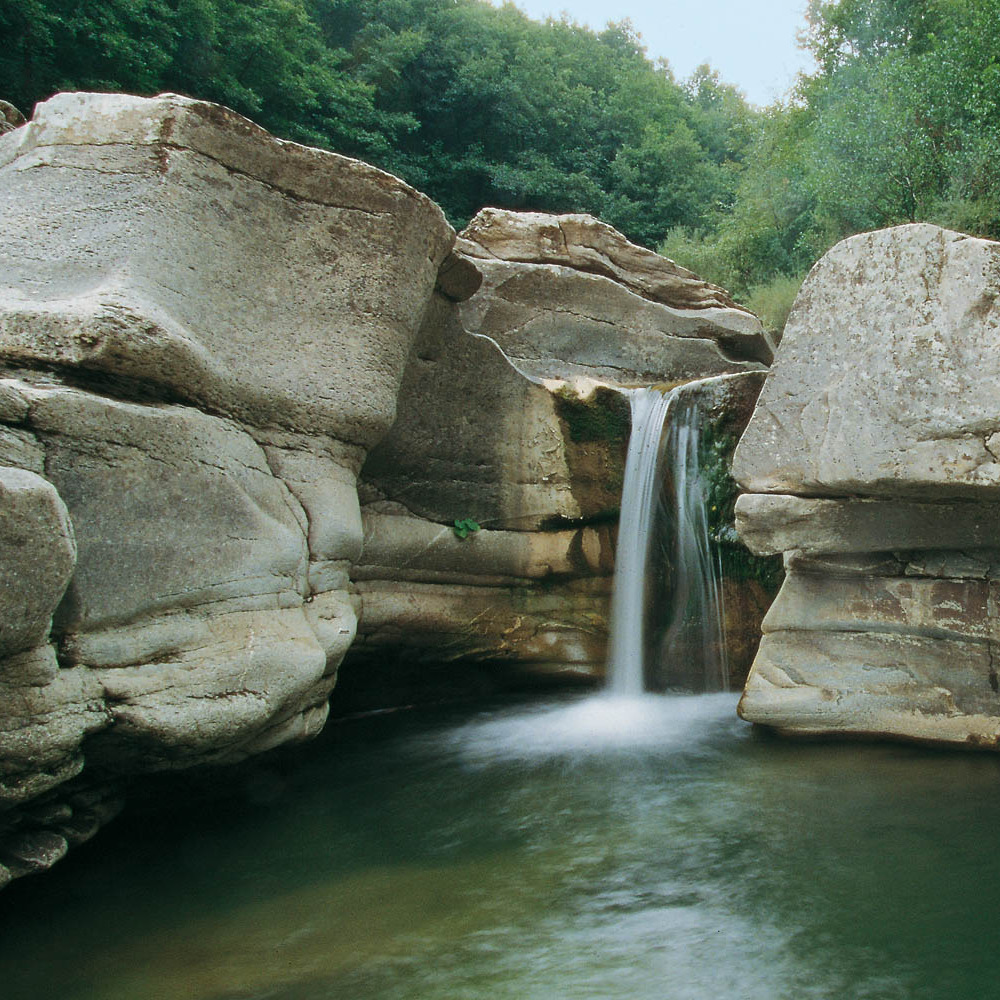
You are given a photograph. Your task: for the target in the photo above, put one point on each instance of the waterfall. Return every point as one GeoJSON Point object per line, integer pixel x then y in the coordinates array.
{"type": "Point", "coordinates": [690, 625]}
{"type": "Point", "coordinates": [626, 657]}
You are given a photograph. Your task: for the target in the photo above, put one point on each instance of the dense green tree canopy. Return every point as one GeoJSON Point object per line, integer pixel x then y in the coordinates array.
{"type": "Point", "coordinates": [900, 122]}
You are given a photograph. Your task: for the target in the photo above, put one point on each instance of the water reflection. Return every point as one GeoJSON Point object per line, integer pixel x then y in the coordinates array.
{"type": "Point", "coordinates": [635, 848]}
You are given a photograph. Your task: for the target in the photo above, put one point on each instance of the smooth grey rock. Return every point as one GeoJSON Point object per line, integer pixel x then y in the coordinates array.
{"type": "Point", "coordinates": [10, 117]}
{"type": "Point", "coordinates": [33, 851]}
{"type": "Point", "coordinates": [933, 608]}
{"type": "Point", "coordinates": [236, 677]}
{"type": "Point", "coordinates": [151, 490]}
{"type": "Point", "coordinates": [257, 278]}
{"type": "Point", "coordinates": [327, 488]}
{"type": "Point", "coordinates": [37, 557]}
{"type": "Point", "coordinates": [587, 244]}
{"type": "Point", "coordinates": [872, 464]}
{"type": "Point", "coordinates": [875, 685]}
{"type": "Point", "coordinates": [436, 622]}
{"type": "Point", "coordinates": [45, 714]}
{"type": "Point", "coordinates": [474, 437]}
{"type": "Point", "coordinates": [334, 622]}
{"type": "Point", "coordinates": [409, 548]}
{"type": "Point", "coordinates": [458, 277]}
{"type": "Point", "coordinates": [555, 321]}
{"type": "Point", "coordinates": [888, 378]}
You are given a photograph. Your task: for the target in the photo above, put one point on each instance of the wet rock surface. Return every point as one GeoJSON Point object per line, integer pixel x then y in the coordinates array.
{"type": "Point", "coordinates": [510, 414]}
{"type": "Point", "coordinates": [205, 334]}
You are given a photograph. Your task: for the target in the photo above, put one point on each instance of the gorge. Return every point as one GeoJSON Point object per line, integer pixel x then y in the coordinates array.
{"type": "Point", "coordinates": [250, 389]}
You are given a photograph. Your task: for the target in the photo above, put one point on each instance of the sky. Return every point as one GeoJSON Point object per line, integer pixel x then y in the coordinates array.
{"type": "Point", "coordinates": [750, 42]}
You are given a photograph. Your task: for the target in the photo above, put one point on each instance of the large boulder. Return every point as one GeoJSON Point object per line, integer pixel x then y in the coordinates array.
{"type": "Point", "coordinates": [569, 294]}
{"type": "Point", "coordinates": [186, 248]}
{"type": "Point", "coordinates": [886, 384]}
{"type": "Point", "coordinates": [10, 117]}
{"type": "Point", "coordinates": [869, 462]}
{"type": "Point", "coordinates": [202, 331]}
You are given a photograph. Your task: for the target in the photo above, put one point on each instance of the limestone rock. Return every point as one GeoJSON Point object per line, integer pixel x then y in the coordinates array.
{"type": "Point", "coordinates": [598, 306]}
{"type": "Point", "coordinates": [474, 436]}
{"type": "Point", "coordinates": [497, 418]}
{"type": "Point", "coordinates": [533, 452]}
{"type": "Point", "coordinates": [771, 523]}
{"type": "Point", "coordinates": [458, 277]}
{"type": "Point", "coordinates": [875, 685]}
{"type": "Point", "coordinates": [553, 629]}
{"type": "Point", "coordinates": [45, 713]}
{"type": "Point", "coordinates": [888, 377]}
{"type": "Point", "coordinates": [411, 548]}
{"type": "Point", "coordinates": [869, 463]}
{"type": "Point", "coordinates": [586, 244]}
{"type": "Point", "coordinates": [10, 117]}
{"type": "Point", "coordinates": [37, 557]}
{"type": "Point", "coordinates": [267, 281]}
{"type": "Point", "coordinates": [151, 485]}
{"type": "Point", "coordinates": [202, 331]}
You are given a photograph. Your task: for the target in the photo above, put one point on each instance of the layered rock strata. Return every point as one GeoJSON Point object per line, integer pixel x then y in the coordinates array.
{"type": "Point", "coordinates": [872, 463]}
{"type": "Point", "coordinates": [510, 415]}
{"type": "Point", "coordinates": [203, 333]}
{"type": "Point", "coordinates": [203, 330]}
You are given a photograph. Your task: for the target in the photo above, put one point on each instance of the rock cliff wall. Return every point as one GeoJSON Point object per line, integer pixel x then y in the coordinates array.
{"type": "Point", "coordinates": [203, 329]}
{"type": "Point", "coordinates": [872, 463]}
{"type": "Point", "coordinates": [510, 414]}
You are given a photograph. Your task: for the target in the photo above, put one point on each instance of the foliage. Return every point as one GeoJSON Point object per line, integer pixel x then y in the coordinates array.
{"type": "Point", "coordinates": [479, 105]}
{"type": "Point", "coordinates": [601, 416]}
{"type": "Point", "coordinates": [716, 445]}
{"type": "Point", "coordinates": [772, 302]}
{"type": "Point", "coordinates": [464, 527]}
{"type": "Point", "coordinates": [900, 123]}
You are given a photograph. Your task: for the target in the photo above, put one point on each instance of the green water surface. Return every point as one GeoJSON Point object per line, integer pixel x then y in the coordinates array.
{"type": "Point", "coordinates": [577, 848]}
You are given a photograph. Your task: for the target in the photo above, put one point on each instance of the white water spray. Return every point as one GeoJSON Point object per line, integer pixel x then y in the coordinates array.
{"type": "Point", "coordinates": [695, 606]}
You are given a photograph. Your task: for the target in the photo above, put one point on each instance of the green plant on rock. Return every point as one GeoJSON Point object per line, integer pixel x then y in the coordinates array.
{"type": "Point", "coordinates": [602, 416]}
{"type": "Point", "coordinates": [715, 455]}
{"type": "Point", "coordinates": [715, 452]}
{"type": "Point", "coordinates": [464, 527]}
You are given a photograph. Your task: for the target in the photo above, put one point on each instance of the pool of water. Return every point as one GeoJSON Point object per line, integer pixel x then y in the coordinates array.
{"type": "Point", "coordinates": [584, 847]}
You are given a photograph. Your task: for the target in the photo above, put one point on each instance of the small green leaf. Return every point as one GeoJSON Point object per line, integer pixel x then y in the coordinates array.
{"type": "Point", "coordinates": [464, 527]}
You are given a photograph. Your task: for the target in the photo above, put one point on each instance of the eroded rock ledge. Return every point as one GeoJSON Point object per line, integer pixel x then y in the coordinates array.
{"type": "Point", "coordinates": [202, 331]}
{"type": "Point", "coordinates": [869, 465]}
{"type": "Point", "coordinates": [510, 413]}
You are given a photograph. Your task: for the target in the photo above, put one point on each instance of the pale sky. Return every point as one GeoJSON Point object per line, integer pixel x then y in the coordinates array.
{"type": "Point", "coordinates": [750, 42]}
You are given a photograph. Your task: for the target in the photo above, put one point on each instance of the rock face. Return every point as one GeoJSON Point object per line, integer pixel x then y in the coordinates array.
{"type": "Point", "coordinates": [510, 414]}
{"type": "Point", "coordinates": [870, 463]}
{"type": "Point", "coordinates": [569, 294]}
{"type": "Point", "coordinates": [723, 406]}
{"type": "Point", "coordinates": [199, 345]}
{"type": "Point", "coordinates": [204, 331]}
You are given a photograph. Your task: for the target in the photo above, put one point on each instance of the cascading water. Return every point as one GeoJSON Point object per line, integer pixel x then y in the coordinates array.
{"type": "Point", "coordinates": [694, 608]}
{"type": "Point", "coordinates": [626, 655]}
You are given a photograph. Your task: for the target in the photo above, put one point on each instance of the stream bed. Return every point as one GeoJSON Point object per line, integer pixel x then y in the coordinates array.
{"type": "Point", "coordinates": [580, 847]}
